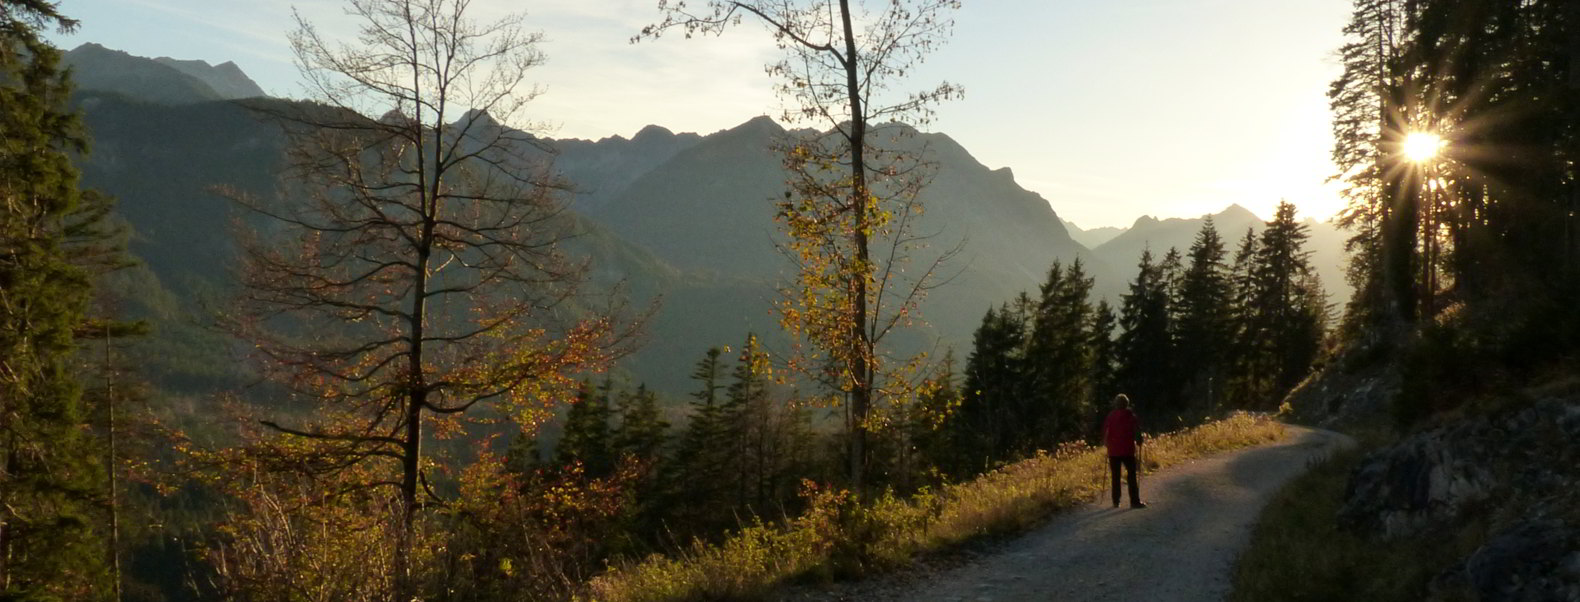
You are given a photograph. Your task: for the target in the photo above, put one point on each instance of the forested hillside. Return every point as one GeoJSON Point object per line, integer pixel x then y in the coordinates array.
{"type": "Point", "coordinates": [654, 215]}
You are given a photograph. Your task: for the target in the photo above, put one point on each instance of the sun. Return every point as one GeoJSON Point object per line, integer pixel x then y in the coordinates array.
{"type": "Point", "coordinates": [1421, 147]}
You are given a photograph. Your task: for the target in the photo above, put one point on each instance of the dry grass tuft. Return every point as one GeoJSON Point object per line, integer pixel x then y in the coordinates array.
{"type": "Point", "coordinates": [838, 537]}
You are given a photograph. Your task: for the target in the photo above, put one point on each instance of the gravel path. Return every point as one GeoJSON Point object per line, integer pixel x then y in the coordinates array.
{"type": "Point", "coordinates": [1181, 548]}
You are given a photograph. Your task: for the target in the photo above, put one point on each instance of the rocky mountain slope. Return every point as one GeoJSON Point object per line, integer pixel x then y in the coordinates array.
{"type": "Point", "coordinates": [684, 220]}
{"type": "Point", "coordinates": [226, 79]}
{"type": "Point", "coordinates": [681, 219]}
{"type": "Point", "coordinates": [100, 69]}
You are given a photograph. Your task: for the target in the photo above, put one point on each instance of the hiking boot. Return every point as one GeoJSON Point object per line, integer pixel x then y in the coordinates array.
{"type": "Point", "coordinates": [1136, 505]}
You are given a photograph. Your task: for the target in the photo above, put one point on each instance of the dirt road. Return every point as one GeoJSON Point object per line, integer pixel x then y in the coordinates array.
{"type": "Point", "coordinates": [1182, 548]}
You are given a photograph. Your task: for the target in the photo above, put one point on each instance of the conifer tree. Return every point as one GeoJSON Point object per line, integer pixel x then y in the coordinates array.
{"type": "Point", "coordinates": [751, 431]}
{"type": "Point", "coordinates": [704, 421]}
{"type": "Point", "coordinates": [696, 489]}
{"type": "Point", "coordinates": [642, 430]}
{"type": "Point", "coordinates": [1173, 268]}
{"type": "Point", "coordinates": [1058, 359]}
{"type": "Point", "coordinates": [1146, 347]}
{"type": "Point", "coordinates": [1204, 318]}
{"type": "Point", "coordinates": [1245, 353]}
{"type": "Point", "coordinates": [1367, 122]}
{"type": "Point", "coordinates": [52, 537]}
{"type": "Point", "coordinates": [638, 446]}
{"type": "Point", "coordinates": [1105, 353]}
{"type": "Point", "coordinates": [1174, 377]}
{"type": "Point", "coordinates": [587, 437]}
{"type": "Point", "coordinates": [994, 377]}
{"type": "Point", "coordinates": [1286, 311]}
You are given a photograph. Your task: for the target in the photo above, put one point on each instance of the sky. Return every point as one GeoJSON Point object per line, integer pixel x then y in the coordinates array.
{"type": "Point", "coordinates": [1110, 109]}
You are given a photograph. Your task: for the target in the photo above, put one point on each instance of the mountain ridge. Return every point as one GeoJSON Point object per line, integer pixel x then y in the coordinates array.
{"type": "Point", "coordinates": [1325, 242]}
{"type": "Point", "coordinates": [97, 68]}
{"type": "Point", "coordinates": [227, 79]}
{"type": "Point", "coordinates": [679, 216]}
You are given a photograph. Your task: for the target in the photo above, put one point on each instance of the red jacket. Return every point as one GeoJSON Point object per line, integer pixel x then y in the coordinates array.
{"type": "Point", "coordinates": [1120, 432]}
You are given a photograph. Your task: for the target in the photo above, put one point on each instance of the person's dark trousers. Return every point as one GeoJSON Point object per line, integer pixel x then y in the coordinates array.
{"type": "Point", "coordinates": [1129, 462]}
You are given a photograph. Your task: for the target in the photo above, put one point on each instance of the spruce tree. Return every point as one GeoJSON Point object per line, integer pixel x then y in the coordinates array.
{"type": "Point", "coordinates": [1203, 319]}
{"type": "Point", "coordinates": [1105, 353]}
{"type": "Point", "coordinates": [750, 431]}
{"type": "Point", "coordinates": [695, 486]}
{"type": "Point", "coordinates": [1364, 101]}
{"type": "Point", "coordinates": [639, 445]}
{"type": "Point", "coordinates": [586, 438]}
{"type": "Point", "coordinates": [642, 430]}
{"type": "Point", "coordinates": [1146, 347]}
{"type": "Point", "coordinates": [1286, 311]}
{"type": "Point", "coordinates": [52, 544]}
{"type": "Point", "coordinates": [1058, 359]}
{"type": "Point", "coordinates": [1247, 349]}
{"type": "Point", "coordinates": [994, 375]}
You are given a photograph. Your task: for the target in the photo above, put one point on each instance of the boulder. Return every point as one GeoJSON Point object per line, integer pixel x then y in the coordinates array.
{"type": "Point", "coordinates": [1534, 561]}
{"type": "Point", "coordinates": [1437, 478]}
{"type": "Point", "coordinates": [1426, 482]}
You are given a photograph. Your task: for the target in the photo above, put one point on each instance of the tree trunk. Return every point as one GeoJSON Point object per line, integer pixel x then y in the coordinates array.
{"type": "Point", "coordinates": [411, 445]}
{"type": "Point", "coordinates": [1574, 113]}
{"type": "Point", "coordinates": [5, 531]}
{"type": "Point", "coordinates": [115, 507]}
{"type": "Point", "coordinates": [860, 361]}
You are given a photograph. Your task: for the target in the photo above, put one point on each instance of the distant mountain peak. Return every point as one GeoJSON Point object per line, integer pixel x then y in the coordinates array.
{"type": "Point", "coordinates": [896, 127]}
{"type": "Point", "coordinates": [95, 67]}
{"type": "Point", "coordinates": [163, 80]}
{"type": "Point", "coordinates": [1235, 210]}
{"type": "Point", "coordinates": [760, 123]}
{"type": "Point", "coordinates": [226, 78]}
{"type": "Point", "coordinates": [477, 118]}
{"type": "Point", "coordinates": [394, 116]}
{"type": "Point", "coordinates": [652, 132]}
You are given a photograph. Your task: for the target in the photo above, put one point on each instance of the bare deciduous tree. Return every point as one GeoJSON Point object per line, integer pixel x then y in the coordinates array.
{"type": "Point", "coordinates": [409, 273]}
{"type": "Point", "coordinates": [853, 194]}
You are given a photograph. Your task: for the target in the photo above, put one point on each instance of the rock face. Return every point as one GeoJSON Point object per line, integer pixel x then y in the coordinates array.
{"type": "Point", "coordinates": [1426, 482]}
{"type": "Point", "coordinates": [1334, 396]}
{"type": "Point", "coordinates": [1535, 561]}
{"type": "Point", "coordinates": [1514, 471]}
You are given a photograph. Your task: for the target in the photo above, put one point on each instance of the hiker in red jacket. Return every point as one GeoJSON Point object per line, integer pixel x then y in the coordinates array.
{"type": "Point", "coordinates": [1122, 435]}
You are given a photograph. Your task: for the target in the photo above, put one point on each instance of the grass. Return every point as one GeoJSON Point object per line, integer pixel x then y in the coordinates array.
{"type": "Point", "coordinates": [1297, 552]}
{"type": "Point", "coordinates": [838, 537]}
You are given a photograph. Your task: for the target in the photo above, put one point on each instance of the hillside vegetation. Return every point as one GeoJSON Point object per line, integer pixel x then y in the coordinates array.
{"type": "Point", "coordinates": [1458, 352]}
{"type": "Point", "coordinates": [838, 537]}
